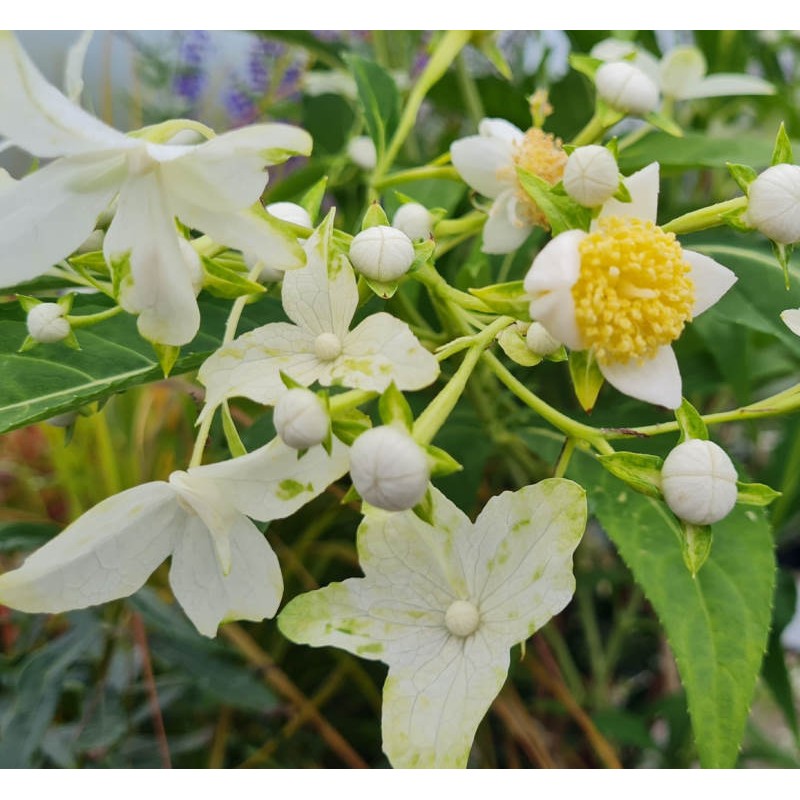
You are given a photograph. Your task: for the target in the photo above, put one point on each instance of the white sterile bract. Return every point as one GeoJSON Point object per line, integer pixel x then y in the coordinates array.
{"type": "Point", "coordinates": [362, 152]}
{"type": "Point", "coordinates": [46, 323]}
{"type": "Point", "coordinates": [320, 299]}
{"type": "Point", "coordinates": [540, 341]}
{"type": "Point", "coordinates": [625, 291]}
{"type": "Point", "coordinates": [222, 566]}
{"type": "Point", "coordinates": [382, 253]}
{"type": "Point", "coordinates": [699, 482]}
{"type": "Point", "coordinates": [389, 469]}
{"type": "Point", "coordinates": [442, 605]}
{"type": "Point", "coordinates": [211, 187]}
{"type": "Point", "coordinates": [300, 419]}
{"type": "Point", "coordinates": [626, 88]}
{"type": "Point", "coordinates": [591, 175]}
{"type": "Point", "coordinates": [414, 220]}
{"type": "Point", "coordinates": [773, 203]}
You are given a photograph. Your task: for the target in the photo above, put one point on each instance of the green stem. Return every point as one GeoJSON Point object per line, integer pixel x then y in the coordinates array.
{"type": "Point", "coordinates": [438, 286]}
{"type": "Point", "coordinates": [417, 174]}
{"type": "Point", "coordinates": [592, 132]}
{"type": "Point", "coordinates": [347, 401]}
{"type": "Point", "coordinates": [469, 223]}
{"type": "Point", "coordinates": [704, 218]}
{"type": "Point", "coordinates": [634, 136]}
{"type": "Point", "coordinates": [564, 458]}
{"type": "Point", "coordinates": [469, 91]}
{"type": "Point", "coordinates": [591, 630]}
{"type": "Point", "coordinates": [91, 319]}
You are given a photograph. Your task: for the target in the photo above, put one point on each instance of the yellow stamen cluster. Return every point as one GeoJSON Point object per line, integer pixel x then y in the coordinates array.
{"type": "Point", "coordinates": [634, 293]}
{"type": "Point", "coordinates": [541, 154]}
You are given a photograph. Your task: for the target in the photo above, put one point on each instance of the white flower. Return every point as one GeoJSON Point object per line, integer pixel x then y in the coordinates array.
{"type": "Point", "coordinates": [46, 323]}
{"type": "Point", "coordinates": [414, 220]}
{"type": "Point", "coordinates": [488, 163]}
{"type": "Point", "coordinates": [211, 187]}
{"type": "Point", "coordinates": [626, 88]}
{"type": "Point", "coordinates": [699, 482]}
{"type": "Point", "coordinates": [389, 469]}
{"type": "Point", "coordinates": [222, 566]}
{"type": "Point", "coordinates": [442, 605]}
{"type": "Point", "coordinates": [382, 253]}
{"type": "Point", "coordinates": [362, 153]}
{"type": "Point", "coordinates": [540, 341]}
{"type": "Point", "coordinates": [300, 419]}
{"type": "Point", "coordinates": [591, 175]}
{"type": "Point", "coordinates": [773, 203]}
{"type": "Point", "coordinates": [320, 299]}
{"type": "Point", "coordinates": [625, 291]}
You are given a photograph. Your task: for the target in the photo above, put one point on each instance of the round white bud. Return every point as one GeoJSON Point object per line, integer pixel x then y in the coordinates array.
{"type": "Point", "coordinates": [327, 347]}
{"type": "Point", "coordinates": [540, 341]}
{"type": "Point", "coordinates": [382, 253]}
{"type": "Point", "coordinates": [389, 469]}
{"type": "Point", "coordinates": [699, 482]}
{"type": "Point", "coordinates": [300, 419]}
{"type": "Point", "coordinates": [462, 618]}
{"type": "Point", "coordinates": [362, 152]}
{"type": "Point", "coordinates": [591, 175]}
{"type": "Point", "coordinates": [290, 212]}
{"type": "Point", "coordinates": [773, 204]}
{"type": "Point", "coordinates": [414, 220]}
{"type": "Point", "coordinates": [626, 88]}
{"type": "Point", "coordinates": [46, 323]}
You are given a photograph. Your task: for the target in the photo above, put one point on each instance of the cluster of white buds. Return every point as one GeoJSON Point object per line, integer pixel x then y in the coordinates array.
{"type": "Point", "coordinates": [382, 253]}
{"type": "Point", "coordinates": [301, 419]}
{"type": "Point", "coordinates": [591, 176]}
{"type": "Point", "coordinates": [773, 204]}
{"type": "Point", "coordinates": [46, 323]}
{"type": "Point", "coordinates": [626, 88]}
{"type": "Point", "coordinates": [414, 220]}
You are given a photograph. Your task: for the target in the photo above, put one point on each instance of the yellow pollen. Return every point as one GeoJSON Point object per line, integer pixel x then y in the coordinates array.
{"type": "Point", "coordinates": [634, 293]}
{"type": "Point", "coordinates": [541, 154]}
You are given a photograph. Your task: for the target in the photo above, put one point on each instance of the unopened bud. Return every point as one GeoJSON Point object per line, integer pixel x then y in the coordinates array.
{"type": "Point", "coordinates": [591, 175]}
{"type": "Point", "coordinates": [414, 220]}
{"type": "Point", "coordinates": [540, 341]}
{"type": "Point", "coordinates": [46, 323]}
{"type": "Point", "coordinates": [773, 204]}
{"type": "Point", "coordinates": [626, 88]}
{"type": "Point", "coordinates": [362, 152]}
{"type": "Point", "coordinates": [382, 253]}
{"type": "Point", "coordinates": [699, 482]}
{"type": "Point", "coordinates": [290, 212]}
{"type": "Point", "coordinates": [389, 469]}
{"type": "Point", "coordinates": [300, 419]}
{"type": "Point", "coordinates": [287, 212]}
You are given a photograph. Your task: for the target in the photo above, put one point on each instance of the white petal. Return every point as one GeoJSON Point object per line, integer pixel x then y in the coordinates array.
{"type": "Point", "coordinates": [38, 118]}
{"type": "Point", "coordinates": [159, 287]}
{"type": "Point", "coordinates": [711, 280]}
{"type": "Point", "coordinates": [107, 553]}
{"type": "Point", "coordinates": [724, 85]}
{"type": "Point", "coordinates": [73, 69]}
{"type": "Point", "coordinates": [500, 129]}
{"type": "Point", "coordinates": [485, 163]}
{"type": "Point", "coordinates": [643, 187]}
{"type": "Point", "coordinates": [656, 381]}
{"type": "Point", "coordinates": [791, 318]}
{"type": "Point", "coordinates": [323, 296]}
{"type": "Point", "coordinates": [681, 69]}
{"type": "Point", "coordinates": [251, 590]}
{"type": "Point", "coordinates": [549, 282]}
{"type": "Point", "coordinates": [504, 232]}
{"type": "Point", "coordinates": [47, 215]}
{"type": "Point", "coordinates": [382, 349]}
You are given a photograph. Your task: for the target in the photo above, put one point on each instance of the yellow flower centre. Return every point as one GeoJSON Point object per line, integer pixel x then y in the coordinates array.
{"type": "Point", "coordinates": [634, 293]}
{"type": "Point", "coordinates": [541, 154]}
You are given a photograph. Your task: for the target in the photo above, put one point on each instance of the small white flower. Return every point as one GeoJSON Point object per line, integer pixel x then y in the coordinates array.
{"type": "Point", "coordinates": [591, 176]}
{"type": "Point", "coordinates": [46, 323]}
{"type": "Point", "coordinates": [442, 605]}
{"type": "Point", "coordinates": [362, 153]}
{"type": "Point", "coordinates": [699, 482]}
{"type": "Point", "coordinates": [625, 291]}
{"type": "Point", "coordinates": [773, 203]}
{"type": "Point", "coordinates": [414, 220]}
{"type": "Point", "coordinates": [626, 88]}
{"type": "Point", "coordinates": [300, 419]}
{"type": "Point", "coordinates": [540, 341]}
{"type": "Point", "coordinates": [389, 469]}
{"type": "Point", "coordinates": [222, 566]}
{"type": "Point", "coordinates": [382, 253]}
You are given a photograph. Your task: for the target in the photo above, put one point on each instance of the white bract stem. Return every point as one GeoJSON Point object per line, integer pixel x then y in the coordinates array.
{"type": "Point", "coordinates": [46, 323]}
{"type": "Point", "coordinates": [382, 253]}
{"type": "Point", "coordinates": [414, 220]}
{"type": "Point", "coordinates": [301, 419]}
{"type": "Point", "coordinates": [626, 88]}
{"type": "Point", "coordinates": [591, 176]}
{"type": "Point", "coordinates": [773, 203]}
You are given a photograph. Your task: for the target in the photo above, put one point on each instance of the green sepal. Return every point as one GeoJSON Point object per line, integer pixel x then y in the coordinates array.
{"type": "Point", "coordinates": [120, 273]}
{"type": "Point", "coordinates": [488, 46]}
{"type": "Point", "coordinates": [66, 301]}
{"type": "Point", "coordinates": [375, 216]}
{"type": "Point", "coordinates": [167, 355]}
{"type": "Point", "coordinates": [311, 201]}
{"type": "Point", "coordinates": [664, 123]}
{"type": "Point", "coordinates": [756, 494]}
{"type": "Point", "coordinates": [515, 346]}
{"type": "Point", "coordinates": [28, 344]}
{"type": "Point", "coordinates": [783, 252]}
{"type": "Point", "coordinates": [394, 408]}
{"type": "Point", "coordinates": [423, 252]}
{"type": "Point", "coordinates": [560, 355]}
{"type": "Point", "coordinates": [383, 289]}
{"type": "Point", "coordinates": [94, 260]}
{"type": "Point", "coordinates": [350, 496]}
{"type": "Point", "coordinates": [232, 259]}
{"type": "Point", "coordinates": [28, 303]}
{"type": "Point", "coordinates": [586, 65]}
{"type": "Point", "coordinates": [301, 452]}
{"type": "Point", "coordinates": [641, 471]}
{"type": "Point", "coordinates": [509, 299]}
{"type": "Point", "coordinates": [289, 382]}
{"type": "Point", "coordinates": [441, 462]}
{"type": "Point", "coordinates": [782, 152]}
{"type": "Point", "coordinates": [607, 116]}
{"type": "Point", "coordinates": [695, 545]}
{"type": "Point", "coordinates": [226, 283]}
{"type": "Point", "coordinates": [742, 174]}
{"type": "Point", "coordinates": [232, 437]}
{"type": "Point", "coordinates": [612, 145]}
{"type": "Point", "coordinates": [622, 194]}
{"type": "Point", "coordinates": [587, 380]}
{"type": "Point", "coordinates": [71, 341]}
{"type": "Point", "coordinates": [690, 422]}
{"type": "Point", "coordinates": [569, 149]}
{"type": "Point", "coordinates": [737, 220]}
{"type": "Point", "coordinates": [424, 509]}
{"type": "Point", "coordinates": [349, 427]}
{"type": "Point", "coordinates": [561, 211]}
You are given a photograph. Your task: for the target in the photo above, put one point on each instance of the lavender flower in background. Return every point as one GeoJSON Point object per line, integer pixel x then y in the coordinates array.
{"type": "Point", "coordinates": [190, 76]}
{"type": "Point", "coordinates": [239, 104]}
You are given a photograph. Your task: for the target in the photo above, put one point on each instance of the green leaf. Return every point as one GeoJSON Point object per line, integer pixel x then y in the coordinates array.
{"type": "Point", "coordinates": [743, 175]}
{"type": "Point", "coordinates": [562, 212]}
{"type": "Point", "coordinates": [509, 299]}
{"type": "Point", "coordinates": [231, 434]}
{"type": "Point", "coordinates": [379, 99]}
{"type": "Point", "coordinates": [224, 282]}
{"type": "Point", "coordinates": [311, 201]}
{"type": "Point", "coordinates": [587, 380]}
{"type": "Point", "coordinates": [25, 537]}
{"type": "Point", "coordinates": [782, 152]}
{"type": "Point", "coordinates": [755, 494]}
{"type": "Point", "coordinates": [690, 422]}
{"type": "Point", "coordinates": [586, 65]}
{"type": "Point", "coordinates": [394, 408]}
{"type": "Point", "coordinates": [515, 346]}
{"type": "Point", "coordinates": [664, 123]}
{"type": "Point", "coordinates": [641, 471]}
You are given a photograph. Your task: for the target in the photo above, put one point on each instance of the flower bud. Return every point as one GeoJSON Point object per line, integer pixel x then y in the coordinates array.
{"type": "Point", "coordinates": [382, 253]}
{"type": "Point", "coordinates": [362, 152]}
{"type": "Point", "coordinates": [591, 175]}
{"type": "Point", "coordinates": [540, 341]}
{"type": "Point", "coordinates": [626, 88]}
{"type": "Point", "coordinates": [773, 204]}
{"type": "Point", "coordinates": [699, 482]}
{"type": "Point", "coordinates": [414, 220]}
{"type": "Point", "coordinates": [300, 419]}
{"type": "Point", "coordinates": [290, 212]}
{"type": "Point", "coordinates": [389, 469]}
{"type": "Point", "coordinates": [46, 323]}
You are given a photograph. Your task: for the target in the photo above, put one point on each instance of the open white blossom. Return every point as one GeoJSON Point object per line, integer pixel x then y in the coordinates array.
{"type": "Point", "coordinates": [443, 604]}
{"type": "Point", "coordinates": [320, 299]}
{"type": "Point", "coordinates": [211, 187]}
{"type": "Point", "coordinates": [222, 566]}
{"type": "Point", "coordinates": [625, 291]}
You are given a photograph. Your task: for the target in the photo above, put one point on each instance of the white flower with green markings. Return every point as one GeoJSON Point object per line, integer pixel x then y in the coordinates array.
{"type": "Point", "coordinates": [318, 345]}
{"type": "Point", "coordinates": [212, 187]}
{"type": "Point", "coordinates": [442, 605]}
{"type": "Point", "coordinates": [222, 566]}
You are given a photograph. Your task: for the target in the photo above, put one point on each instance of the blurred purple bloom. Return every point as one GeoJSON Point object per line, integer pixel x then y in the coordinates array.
{"type": "Point", "coordinates": [193, 48]}
{"type": "Point", "coordinates": [239, 105]}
